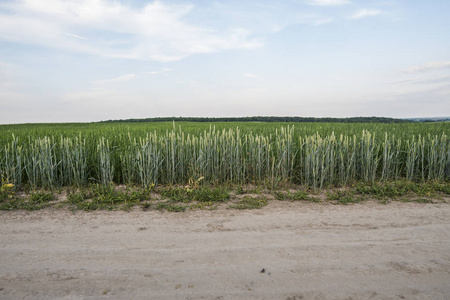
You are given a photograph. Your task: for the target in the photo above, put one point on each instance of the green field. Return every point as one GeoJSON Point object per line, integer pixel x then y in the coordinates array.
{"type": "Point", "coordinates": [315, 155]}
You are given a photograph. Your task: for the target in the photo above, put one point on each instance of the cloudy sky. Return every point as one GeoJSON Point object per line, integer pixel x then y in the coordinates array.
{"type": "Point", "coordinates": [91, 60]}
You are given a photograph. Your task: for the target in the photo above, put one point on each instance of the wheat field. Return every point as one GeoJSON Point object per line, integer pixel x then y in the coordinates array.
{"type": "Point", "coordinates": [315, 155]}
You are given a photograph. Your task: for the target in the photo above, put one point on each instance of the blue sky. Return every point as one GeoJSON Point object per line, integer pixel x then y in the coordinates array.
{"type": "Point", "coordinates": [91, 60]}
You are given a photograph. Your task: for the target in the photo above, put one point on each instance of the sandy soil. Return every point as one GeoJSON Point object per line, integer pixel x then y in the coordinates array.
{"type": "Point", "coordinates": [307, 251]}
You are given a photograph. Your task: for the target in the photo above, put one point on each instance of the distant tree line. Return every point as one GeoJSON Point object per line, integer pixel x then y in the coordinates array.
{"type": "Point", "coordinates": [267, 119]}
{"type": "Point", "coordinates": [428, 120]}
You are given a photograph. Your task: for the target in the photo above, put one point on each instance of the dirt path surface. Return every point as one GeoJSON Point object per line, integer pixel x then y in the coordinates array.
{"type": "Point", "coordinates": [307, 251]}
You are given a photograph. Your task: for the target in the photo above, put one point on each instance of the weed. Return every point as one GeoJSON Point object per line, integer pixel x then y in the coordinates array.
{"type": "Point", "coordinates": [76, 198]}
{"type": "Point", "coordinates": [297, 196]}
{"type": "Point", "coordinates": [146, 206]}
{"type": "Point", "coordinates": [300, 195]}
{"type": "Point", "coordinates": [438, 187]}
{"type": "Point", "coordinates": [6, 190]}
{"type": "Point", "coordinates": [256, 190]}
{"type": "Point", "coordinates": [170, 207]}
{"type": "Point", "coordinates": [139, 195]}
{"type": "Point", "coordinates": [41, 197]}
{"type": "Point", "coordinates": [240, 190]}
{"type": "Point", "coordinates": [249, 203]}
{"type": "Point", "coordinates": [313, 199]}
{"type": "Point", "coordinates": [418, 200]}
{"type": "Point", "coordinates": [280, 195]}
{"type": "Point", "coordinates": [106, 197]}
{"type": "Point", "coordinates": [175, 194]}
{"type": "Point", "coordinates": [203, 205]}
{"type": "Point", "coordinates": [343, 197]}
{"type": "Point", "coordinates": [402, 188]}
{"type": "Point", "coordinates": [36, 201]}
{"type": "Point", "coordinates": [11, 204]}
{"type": "Point", "coordinates": [194, 184]}
{"type": "Point", "coordinates": [207, 194]}
{"type": "Point", "coordinates": [380, 190]}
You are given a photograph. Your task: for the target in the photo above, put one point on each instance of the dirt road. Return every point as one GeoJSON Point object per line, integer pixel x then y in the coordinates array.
{"type": "Point", "coordinates": [283, 251]}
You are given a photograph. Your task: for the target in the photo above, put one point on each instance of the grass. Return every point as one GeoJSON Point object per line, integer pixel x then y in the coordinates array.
{"type": "Point", "coordinates": [170, 207]}
{"type": "Point", "coordinates": [207, 194]}
{"type": "Point", "coordinates": [41, 197]}
{"type": "Point", "coordinates": [205, 197]}
{"type": "Point", "coordinates": [249, 202]}
{"type": "Point", "coordinates": [35, 201]}
{"type": "Point", "coordinates": [146, 206]}
{"type": "Point", "coordinates": [203, 206]}
{"type": "Point", "coordinates": [203, 194]}
{"type": "Point", "coordinates": [296, 196]}
{"type": "Point", "coordinates": [418, 200]}
{"type": "Point", "coordinates": [107, 197]}
{"type": "Point", "coordinates": [175, 194]}
{"type": "Point", "coordinates": [241, 191]}
{"type": "Point", "coordinates": [403, 188]}
{"type": "Point", "coordinates": [11, 204]}
{"type": "Point", "coordinates": [343, 197]}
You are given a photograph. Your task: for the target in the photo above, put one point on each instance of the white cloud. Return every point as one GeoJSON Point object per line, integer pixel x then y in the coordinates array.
{"type": "Point", "coordinates": [434, 65]}
{"type": "Point", "coordinates": [129, 77]}
{"type": "Point", "coordinates": [413, 100]}
{"type": "Point", "coordinates": [426, 80]}
{"type": "Point", "coordinates": [163, 71]}
{"type": "Point", "coordinates": [322, 21]}
{"type": "Point", "coordinates": [119, 79]}
{"type": "Point", "coordinates": [328, 2]}
{"type": "Point", "coordinates": [250, 75]}
{"type": "Point", "coordinates": [5, 74]}
{"type": "Point", "coordinates": [158, 31]}
{"type": "Point", "coordinates": [102, 103]}
{"type": "Point", "coordinates": [367, 12]}
{"type": "Point", "coordinates": [76, 36]}
{"type": "Point", "coordinates": [9, 83]}
{"type": "Point", "coordinates": [310, 19]}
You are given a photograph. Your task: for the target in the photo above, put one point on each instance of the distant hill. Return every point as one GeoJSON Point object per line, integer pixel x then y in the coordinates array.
{"type": "Point", "coordinates": [268, 119]}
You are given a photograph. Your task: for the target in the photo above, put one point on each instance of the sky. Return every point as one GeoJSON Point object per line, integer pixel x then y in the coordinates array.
{"type": "Point", "coordinates": [93, 60]}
